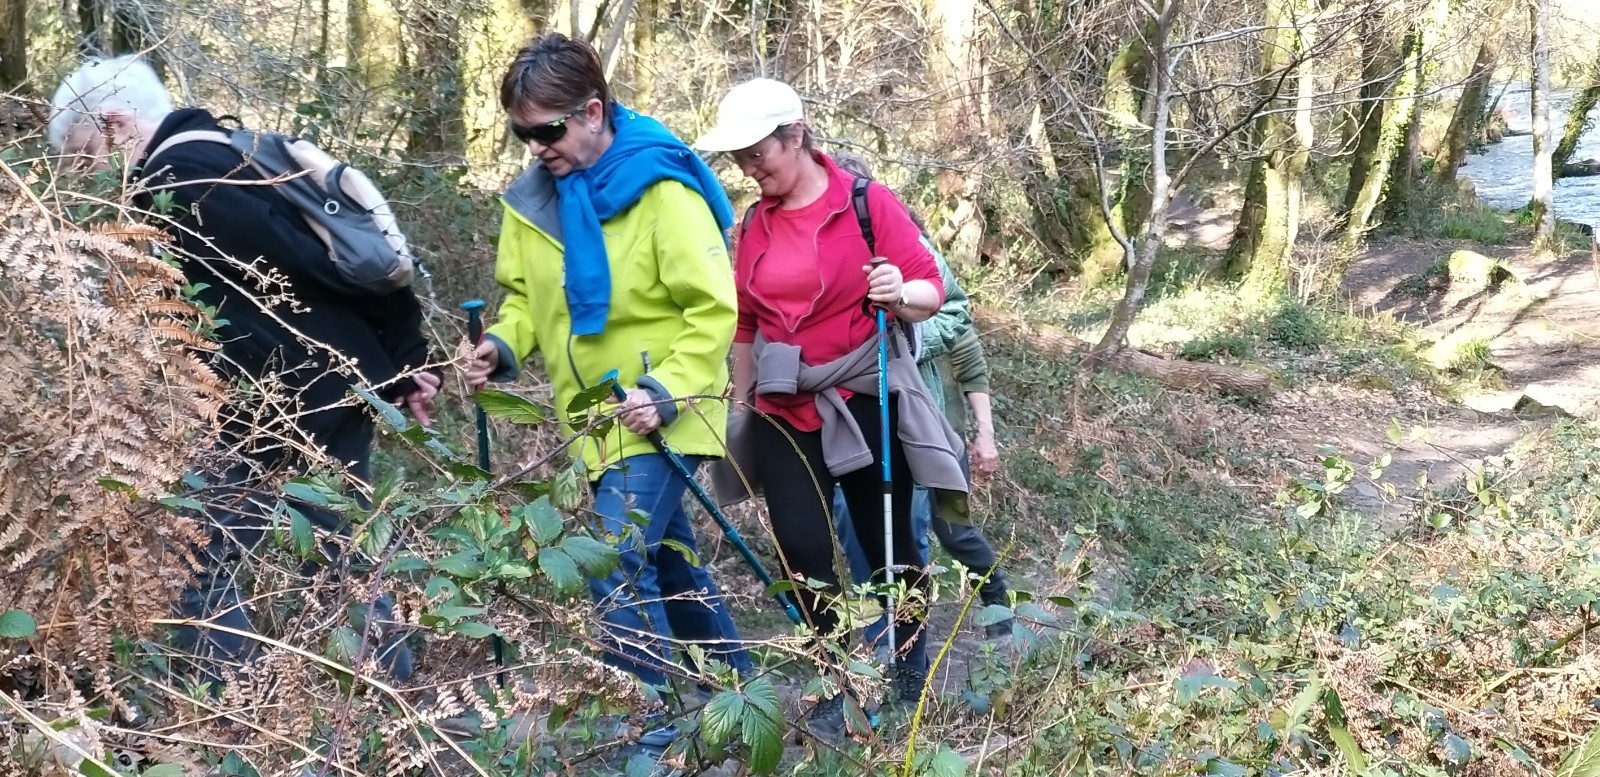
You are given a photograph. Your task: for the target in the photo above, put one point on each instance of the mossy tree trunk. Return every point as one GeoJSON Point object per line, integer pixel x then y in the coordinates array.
{"type": "Point", "coordinates": [438, 133]}
{"type": "Point", "coordinates": [1542, 205]}
{"type": "Point", "coordinates": [1469, 112]}
{"type": "Point", "coordinates": [1270, 220]}
{"type": "Point", "coordinates": [1392, 125]}
{"type": "Point", "coordinates": [1579, 121]}
{"type": "Point", "coordinates": [1382, 60]}
{"type": "Point", "coordinates": [13, 44]}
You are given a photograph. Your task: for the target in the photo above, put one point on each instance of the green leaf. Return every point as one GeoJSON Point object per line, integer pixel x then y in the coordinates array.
{"type": "Point", "coordinates": [300, 533]}
{"type": "Point", "coordinates": [112, 484]}
{"type": "Point", "coordinates": [1223, 768]}
{"type": "Point", "coordinates": [544, 523]}
{"type": "Point", "coordinates": [391, 415]}
{"type": "Point", "coordinates": [721, 717]}
{"type": "Point", "coordinates": [560, 568]}
{"type": "Point", "coordinates": [947, 763]}
{"type": "Point", "coordinates": [1354, 758]}
{"type": "Point", "coordinates": [182, 503]}
{"type": "Point", "coordinates": [761, 726]}
{"type": "Point", "coordinates": [306, 493]}
{"type": "Point", "coordinates": [992, 614]}
{"type": "Point", "coordinates": [343, 644]}
{"type": "Point", "coordinates": [590, 397]}
{"type": "Point", "coordinates": [16, 624]}
{"type": "Point", "coordinates": [1583, 761]}
{"type": "Point", "coordinates": [377, 534]}
{"type": "Point", "coordinates": [510, 407]}
{"type": "Point", "coordinates": [455, 611]}
{"type": "Point", "coordinates": [594, 557]}
{"type": "Point", "coordinates": [1035, 613]}
{"type": "Point", "coordinates": [474, 629]}
{"type": "Point", "coordinates": [683, 550]}
{"type": "Point", "coordinates": [464, 564]}
{"type": "Point", "coordinates": [406, 563]}
{"type": "Point", "coordinates": [1456, 750]}
{"type": "Point", "coordinates": [864, 670]}
{"type": "Point", "coordinates": [163, 770]}
{"type": "Point", "coordinates": [90, 768]}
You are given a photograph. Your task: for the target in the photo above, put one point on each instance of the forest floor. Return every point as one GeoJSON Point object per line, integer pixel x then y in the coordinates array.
{"type": "Point", "coordinates": [1432, 369]}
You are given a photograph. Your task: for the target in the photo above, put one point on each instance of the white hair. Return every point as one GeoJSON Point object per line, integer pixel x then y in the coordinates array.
{"type": "Point", "coordinates": [100, 86]}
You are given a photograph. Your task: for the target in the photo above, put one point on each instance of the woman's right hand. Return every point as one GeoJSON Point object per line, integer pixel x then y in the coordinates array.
{"type": "Point", "coordinates": [482, 360]}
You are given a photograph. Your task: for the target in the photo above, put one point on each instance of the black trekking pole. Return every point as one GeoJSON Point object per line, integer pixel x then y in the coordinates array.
{"type": "Point", "coordinates": [728, 530]}
{"type": "Point", "coordinates": [474, 308]}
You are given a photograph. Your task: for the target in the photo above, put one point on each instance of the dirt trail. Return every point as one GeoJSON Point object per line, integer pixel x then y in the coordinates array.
{"type": "Point", "coordinates": [1540, 328]}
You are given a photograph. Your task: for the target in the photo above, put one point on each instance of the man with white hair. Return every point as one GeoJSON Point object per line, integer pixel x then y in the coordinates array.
{"type": "Point", "coordinates": [290, 327]}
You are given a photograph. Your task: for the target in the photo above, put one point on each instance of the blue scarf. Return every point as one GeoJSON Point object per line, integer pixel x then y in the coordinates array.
{"type": "Point", "coordinates": [643, 154]}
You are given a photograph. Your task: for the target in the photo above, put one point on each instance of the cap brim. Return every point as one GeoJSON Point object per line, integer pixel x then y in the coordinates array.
{"type": "Point", "coordinates": [731, 138]}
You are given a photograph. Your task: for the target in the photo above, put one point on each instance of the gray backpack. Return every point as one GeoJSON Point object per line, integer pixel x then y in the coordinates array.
{"type": "Point", "coordinates": [338, 201]}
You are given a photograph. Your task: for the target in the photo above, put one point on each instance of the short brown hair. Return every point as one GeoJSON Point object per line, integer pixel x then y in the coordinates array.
{"type": "Point", "coordinates": [555, 72]}
{"type": "Point", "coordinates": [788, 132]}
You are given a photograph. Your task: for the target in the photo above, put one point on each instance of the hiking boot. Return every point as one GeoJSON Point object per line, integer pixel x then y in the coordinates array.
{"type": "Point", "coordinates": [999, 632]}
{"type": "Point", "coordinates": [826, 720]}
{"type": "Point", "coordinates": [830, 720]}
{"type": "Point", "coordinates": [905, 687]}
{"type": "Point", "coordinates": [642, 757]}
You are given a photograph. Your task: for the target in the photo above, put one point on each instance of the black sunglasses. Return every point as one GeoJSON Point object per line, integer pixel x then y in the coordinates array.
{"type": "Point", "coordinates": [545, 134]}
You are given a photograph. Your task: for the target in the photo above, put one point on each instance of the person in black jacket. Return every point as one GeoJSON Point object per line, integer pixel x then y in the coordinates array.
{"type": "Point", "coordinates": [293, 333]}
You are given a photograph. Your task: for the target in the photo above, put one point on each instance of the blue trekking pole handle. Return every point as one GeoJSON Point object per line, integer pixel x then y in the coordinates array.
{"type": "Point", "coordinates": [728, 529]}
{"type": "Point", "coordinates": [474, 308]}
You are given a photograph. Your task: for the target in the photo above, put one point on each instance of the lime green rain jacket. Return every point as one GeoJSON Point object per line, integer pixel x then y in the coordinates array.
{"type": "Point", "coordinates": [672, 302]}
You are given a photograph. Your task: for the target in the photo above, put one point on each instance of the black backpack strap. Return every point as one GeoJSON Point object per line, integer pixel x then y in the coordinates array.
{"type": "Point", "coordinates": [744, 226]}
{"type": "Point", "coordinates": [858, 198]}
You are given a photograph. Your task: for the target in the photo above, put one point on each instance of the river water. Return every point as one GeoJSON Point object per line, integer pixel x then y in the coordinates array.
{"type": "Point", "coordinates": [1503, 174]}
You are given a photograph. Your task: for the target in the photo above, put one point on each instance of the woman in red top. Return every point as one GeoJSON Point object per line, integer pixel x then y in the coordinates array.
{"type": "Point", "coordinates": [804, 273]}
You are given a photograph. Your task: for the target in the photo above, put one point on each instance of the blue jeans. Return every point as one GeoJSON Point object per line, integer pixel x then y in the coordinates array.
{"type": "Point", "coordinates": [860, 567]}
{"type": "Point", "coordinates": [655, 593]}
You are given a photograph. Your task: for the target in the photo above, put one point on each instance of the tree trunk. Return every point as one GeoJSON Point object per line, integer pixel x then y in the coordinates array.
{"type": "Point", "coordinates": [13, 44]}
{"type": "Point", "coordinates": [438, 133]}
{"type": "Point", "coordinates": [1468, 115]}
{"type": "Point", "coordinates": [1144, 258]}
{"type": "Point", "coordinates": [644, 54]}
{"type": "Point", "coordinates": [1579, 120]}
{"type": "Point", "coordinates": [956, 73]}
{"type": "Point", "coordinates": [1400, 193]}
{"type": "Point", "coordinates": [1125, 101]}
{"type": "Point", "coordinates": [1270, 224]}
{"type": "Point", "coordinates": [1542, 205]}
{"type": "Point", "coordinates": [1394, 123]}
{"type": "Point", "coordinates": [91, 20]}
{"type": "Point", "coordinates": [1381, 62]}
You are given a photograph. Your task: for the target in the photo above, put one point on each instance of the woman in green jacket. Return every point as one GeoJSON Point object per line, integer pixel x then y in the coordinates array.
{"type": "Point", "coordinates": [612, 256]}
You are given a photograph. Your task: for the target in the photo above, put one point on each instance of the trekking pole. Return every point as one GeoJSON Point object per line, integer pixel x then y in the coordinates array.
{"type": "Point", "coordinates": [474, 308]}
{"type": "Point", "coordinates": [888, 482]}
{"type": "Point", "coordinates": [728, 530]}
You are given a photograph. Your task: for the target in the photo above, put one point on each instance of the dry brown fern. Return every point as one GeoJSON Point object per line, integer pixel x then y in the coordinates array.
{"type": "Point", "coordinates": [107, 409]}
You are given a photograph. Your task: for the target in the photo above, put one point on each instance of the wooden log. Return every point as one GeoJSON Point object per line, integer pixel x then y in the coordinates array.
{"type": "Point", "coordinates": [1169, 372]}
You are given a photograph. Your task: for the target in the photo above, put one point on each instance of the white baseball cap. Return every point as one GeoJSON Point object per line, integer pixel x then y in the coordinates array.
{"type": "Point", "coordinates": [750, 112]}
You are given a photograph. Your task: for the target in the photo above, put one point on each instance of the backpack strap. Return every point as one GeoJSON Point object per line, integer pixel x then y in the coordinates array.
{"type": "Point", "coordinates": [744, 225]}
{"type": "Point", "coordinates": [858, 198]}
{"type": "Point", "coordinates": [213, 136]}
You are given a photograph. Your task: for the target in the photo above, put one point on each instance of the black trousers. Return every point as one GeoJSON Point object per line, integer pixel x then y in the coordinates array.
{"type": "Point", "coordinates": [799, 491]}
